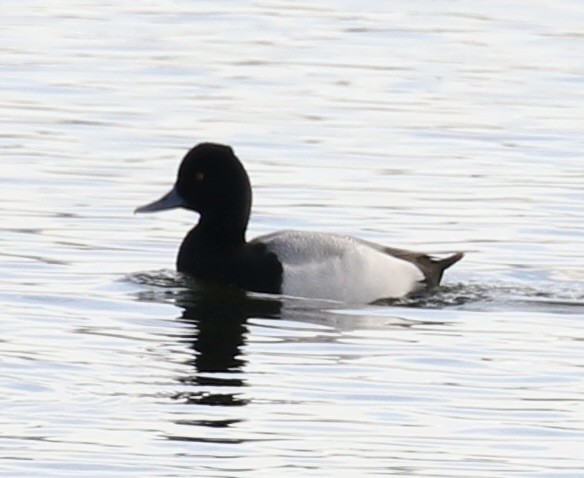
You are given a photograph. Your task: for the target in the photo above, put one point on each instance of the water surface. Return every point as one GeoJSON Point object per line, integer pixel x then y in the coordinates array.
{"type": "Point", "coordinates": [437, 126]}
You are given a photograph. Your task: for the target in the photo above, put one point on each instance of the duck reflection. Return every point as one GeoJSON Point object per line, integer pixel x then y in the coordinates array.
{"type": "Point", "coordinates": [218, 319]}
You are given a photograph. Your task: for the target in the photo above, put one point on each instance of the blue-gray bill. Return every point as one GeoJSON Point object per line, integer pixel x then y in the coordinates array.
{"type": "Point", "coordinates": [168, 201]}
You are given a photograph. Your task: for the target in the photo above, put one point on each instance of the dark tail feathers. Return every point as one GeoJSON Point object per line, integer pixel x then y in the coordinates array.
{"type": "Point", "coordinates": [438, 267]}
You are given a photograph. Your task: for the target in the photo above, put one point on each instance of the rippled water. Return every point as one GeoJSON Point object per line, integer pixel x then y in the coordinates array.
{"type": "Point", "coordinates": [438, 126]}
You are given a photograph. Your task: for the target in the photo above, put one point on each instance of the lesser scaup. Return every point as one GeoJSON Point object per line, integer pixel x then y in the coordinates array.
{"type": "Point", "coordinates": [213, 182]}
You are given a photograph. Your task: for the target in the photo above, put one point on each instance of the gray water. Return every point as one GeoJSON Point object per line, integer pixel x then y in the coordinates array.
{"type": "Point", "coordinates": [431, 125]}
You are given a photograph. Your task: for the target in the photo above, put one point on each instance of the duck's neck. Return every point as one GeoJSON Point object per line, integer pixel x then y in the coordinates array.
{"type": "Point", "coordinates": [223, 221]}
{"type": "Point", "coordinates": [222, 231]}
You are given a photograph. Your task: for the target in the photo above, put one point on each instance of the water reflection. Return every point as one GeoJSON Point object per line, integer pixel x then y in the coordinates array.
{"type": "Point", "coordinates": [218, 320]}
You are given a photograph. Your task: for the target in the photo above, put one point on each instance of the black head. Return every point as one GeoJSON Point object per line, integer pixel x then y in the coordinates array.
{"type": "Point", "coordinates": [211, 181]}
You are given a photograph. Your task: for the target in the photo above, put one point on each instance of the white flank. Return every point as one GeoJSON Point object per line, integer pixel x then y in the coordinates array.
{"type": "Point", "coordinates": [330, 266]}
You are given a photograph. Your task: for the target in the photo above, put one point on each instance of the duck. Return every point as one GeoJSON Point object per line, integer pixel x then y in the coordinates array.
{"type": "Point", "coordinates": [213, 182]}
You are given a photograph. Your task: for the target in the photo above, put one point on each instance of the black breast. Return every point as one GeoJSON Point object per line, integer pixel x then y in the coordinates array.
{"type": "Point", "coordinates": [248, 266]}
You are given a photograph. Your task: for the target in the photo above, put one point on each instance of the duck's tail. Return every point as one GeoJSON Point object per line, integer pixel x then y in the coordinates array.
{"type": "Point", "coordinates": [450, 260]}
{"type": "Point", "coordinates": [439, 266]}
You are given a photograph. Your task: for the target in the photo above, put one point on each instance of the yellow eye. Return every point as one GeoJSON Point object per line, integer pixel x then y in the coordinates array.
{"type": "Point", "coordinates": [199, 175]}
